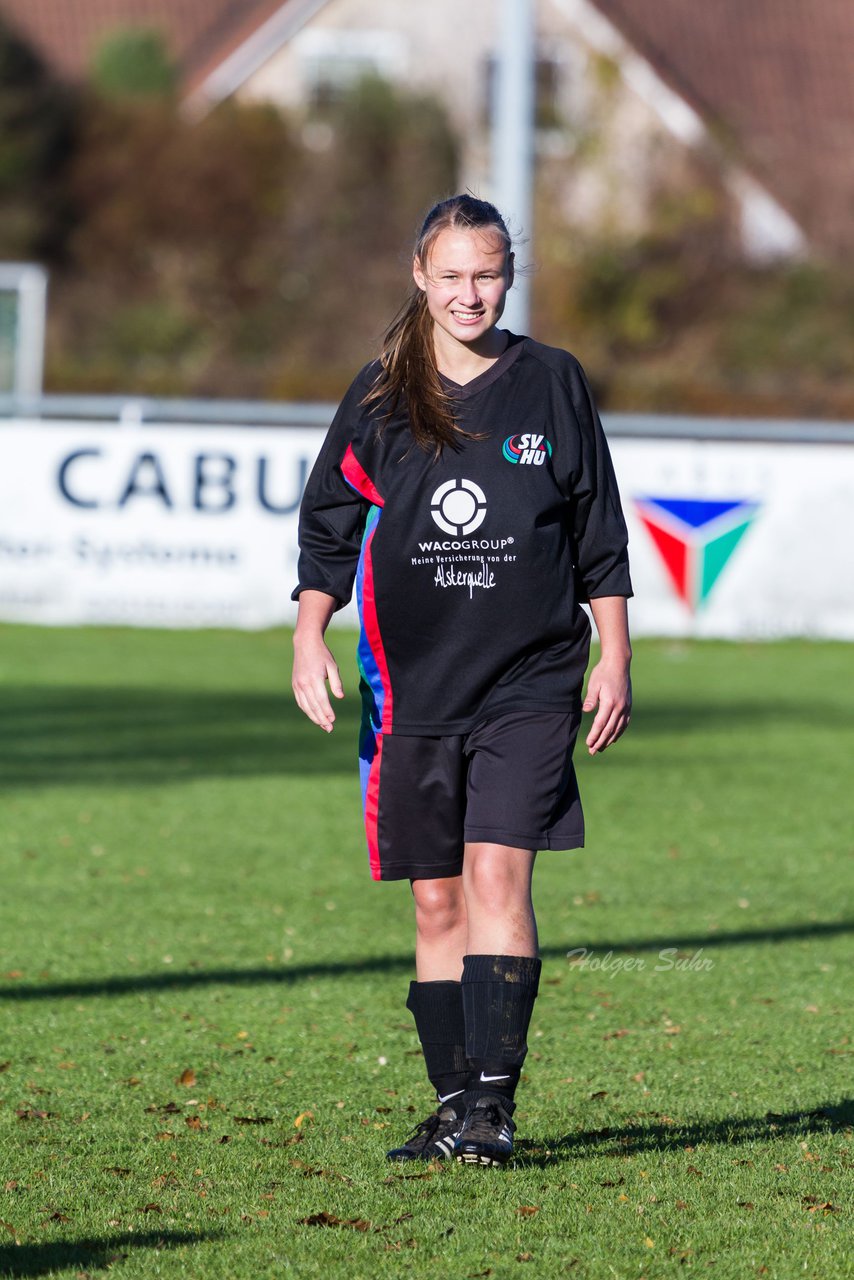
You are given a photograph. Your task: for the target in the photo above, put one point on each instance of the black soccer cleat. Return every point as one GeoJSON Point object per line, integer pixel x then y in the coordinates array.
{"type": "Point", "coordinates": [486, 1135]}
{"type": "Point", "coordinates": [432, 1139]}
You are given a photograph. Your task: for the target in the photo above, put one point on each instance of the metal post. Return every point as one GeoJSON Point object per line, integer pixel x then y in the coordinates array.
{"type": "Point", "coordinates": [29, 282]}
{"type": "Point", "coordinates": [512, 143]}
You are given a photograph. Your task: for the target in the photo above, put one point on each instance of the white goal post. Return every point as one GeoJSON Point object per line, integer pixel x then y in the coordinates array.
{"type": "Point", "coordinates": [23, 300]}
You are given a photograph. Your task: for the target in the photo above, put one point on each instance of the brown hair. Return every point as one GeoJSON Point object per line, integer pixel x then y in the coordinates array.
{"type": "Point", "coordinates": [408, 369]}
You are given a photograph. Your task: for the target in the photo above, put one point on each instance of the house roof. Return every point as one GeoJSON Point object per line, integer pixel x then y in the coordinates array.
{"type": "Point", "coordinates": [772, 78]}
{"type": "Point", "coordinates": [198, 33]}
{"type": "Point", "coordinates": [773, 81]}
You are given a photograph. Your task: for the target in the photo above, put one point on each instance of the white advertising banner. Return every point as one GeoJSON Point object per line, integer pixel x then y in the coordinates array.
{"type": "Point", "coordinates": [159, 526]}
{"type": "Point", "coordinates": [739, 540]}
{"type": "Point", "coordinates": [195, 526]}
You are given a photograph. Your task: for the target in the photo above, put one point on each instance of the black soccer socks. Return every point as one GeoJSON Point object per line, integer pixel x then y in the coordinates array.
{"type": "Point", "coordinates": [437, 1008]}
{"type": "Point", "coordinates": [498, 994]}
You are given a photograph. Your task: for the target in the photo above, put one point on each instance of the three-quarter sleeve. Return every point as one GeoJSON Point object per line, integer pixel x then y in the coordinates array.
{"type": "Point", "coordinates": [597, 526]}
{"type": "Point", "coordinates": [332, 514]}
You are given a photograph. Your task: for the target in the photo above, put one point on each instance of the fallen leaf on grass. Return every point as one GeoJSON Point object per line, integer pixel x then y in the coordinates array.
{"type": "Point", "coordinates": [187, 1077]}
{"type": "Point", "coordinates": [117, 1170]}
{"type": "Point", "coordinates": [324, 1219]}
{"type": "Point", "coordinates": [150, 1208]}
{"type": "Point", "coordinates": [12, 1230]}
{"type": "Point", "coordinates": [524, 1257]}
{"type": "Point", "coordinates": [56, 1216]}
{"type": "Point", "coordinates": [617, 1035]}
{"type": "Point", "coordinates": [814, 1204]}
{"type": "Point", "coordinates": [617, 1183]}
{"type": "Point", "coordinates": [315, 1171]}
{"type": "Point", "coordinates": [193, 1122]}
{"type": "Point", "coordinates": [745, 1204]}
{"type": "Point", "coordinates": [252, 1119]}
{"type": "Point", "coordinates": [602, 1093]}
{"type": "Point", "coordinates": [528, 1209]}
{"type": "Point", "coordinates": [271, 1142]}
{"type": "Point", "coordinates": [30, 1113]}
{"type": "Point", "coordinates": [692, 1168]}
{"type": "Point", "coordinates": [163, 1109]}
{"type": "Point", "coordinates": [302, 1117]}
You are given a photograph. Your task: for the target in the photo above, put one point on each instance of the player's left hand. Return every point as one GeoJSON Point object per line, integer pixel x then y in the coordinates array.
{"type": "Point", "coordinates": [610, 689]}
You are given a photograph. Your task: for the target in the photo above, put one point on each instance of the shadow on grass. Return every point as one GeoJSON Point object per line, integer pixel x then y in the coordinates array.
{"type": "Point", "coordinates": [116, 736]}
{"type": "Point", "coordinates": [684, 947]}
{"type": "Point", "coordinates": [632, 1139]}
{"type": "Point", "coordinates": [133, 736]}
{"type": "Point", "coordinates": [43, 1259]}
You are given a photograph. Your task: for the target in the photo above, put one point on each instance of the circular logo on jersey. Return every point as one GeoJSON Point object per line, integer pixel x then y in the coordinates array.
{"type": "Point", "coordinates": [527, 447]}
{"type": "Point", "coordinates": [458, 507]}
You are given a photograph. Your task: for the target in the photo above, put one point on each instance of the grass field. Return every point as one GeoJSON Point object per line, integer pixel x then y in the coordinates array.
{"type": "Point", "coordinates": [205, 1052]}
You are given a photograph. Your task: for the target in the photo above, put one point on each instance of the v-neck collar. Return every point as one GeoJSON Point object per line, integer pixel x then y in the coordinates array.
{"type": "Point", "coordinates": [462, 391]}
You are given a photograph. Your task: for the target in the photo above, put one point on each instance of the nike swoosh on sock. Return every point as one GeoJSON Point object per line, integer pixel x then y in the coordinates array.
{"type": "Point", "coordinates": [488, 1079]}
{"type": "Point", "coordinates": [448, 1096]}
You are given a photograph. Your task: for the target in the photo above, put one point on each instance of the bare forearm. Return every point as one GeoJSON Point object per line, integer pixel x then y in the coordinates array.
{"type": "Point", "coordinates": [315, 611]}
{"type": "Point", "coordinates": [611, 615]}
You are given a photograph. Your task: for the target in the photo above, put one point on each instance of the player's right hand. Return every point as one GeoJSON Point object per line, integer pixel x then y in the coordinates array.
{"type": "Point", "coordinates": [314, 666]}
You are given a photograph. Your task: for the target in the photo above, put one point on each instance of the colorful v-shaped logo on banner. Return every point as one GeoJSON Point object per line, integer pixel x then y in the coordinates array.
{"type": "Point", "coordinates": [695, 538]}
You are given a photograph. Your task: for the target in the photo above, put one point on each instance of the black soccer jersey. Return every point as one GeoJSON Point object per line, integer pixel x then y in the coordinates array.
{"type": "Point", "coordinates": [469, 569]}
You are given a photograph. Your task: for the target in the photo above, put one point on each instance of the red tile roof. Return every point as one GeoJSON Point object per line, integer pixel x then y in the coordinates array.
{"type": "Point", "coordinates": [772, 77]}
{"type": "Point", "coordinates": [198, 33]}
{"type": "Point", "coordinates": [775, 79]}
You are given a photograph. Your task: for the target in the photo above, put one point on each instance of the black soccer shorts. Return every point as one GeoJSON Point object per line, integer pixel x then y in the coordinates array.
{"type": "Point", "coordinates": [509, 781]}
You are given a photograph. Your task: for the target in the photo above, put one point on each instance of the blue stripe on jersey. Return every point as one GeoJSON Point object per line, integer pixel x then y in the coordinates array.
{"type": "Point", "coordinates": [373, 693]}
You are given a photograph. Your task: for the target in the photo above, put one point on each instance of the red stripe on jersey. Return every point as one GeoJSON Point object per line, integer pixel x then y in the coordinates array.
{"type": "Point", "coordinates": [356, 475]}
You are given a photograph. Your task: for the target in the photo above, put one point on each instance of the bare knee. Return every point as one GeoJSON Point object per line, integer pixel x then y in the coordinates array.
{"type": "Point", "coordinates": [439, 906]}
{"type": "Point", "coordinates": [496, 883]}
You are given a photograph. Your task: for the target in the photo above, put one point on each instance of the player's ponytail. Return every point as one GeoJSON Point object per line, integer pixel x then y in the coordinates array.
{"type": "Point", "coordinates": [408, 374]}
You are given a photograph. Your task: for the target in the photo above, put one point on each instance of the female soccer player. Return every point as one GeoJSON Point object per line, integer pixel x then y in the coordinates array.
{"type": "Point", "coordinates": [465, 487]}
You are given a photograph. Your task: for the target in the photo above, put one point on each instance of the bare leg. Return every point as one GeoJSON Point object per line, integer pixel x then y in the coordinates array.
{"type": "Point", "coordinates": [441, 929]}
{"type": "Point", "coordinates": [497, 886]}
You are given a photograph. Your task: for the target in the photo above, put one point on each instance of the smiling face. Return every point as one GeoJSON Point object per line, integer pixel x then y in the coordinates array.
{"type": "Point", "coordinates": [465, 278]}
